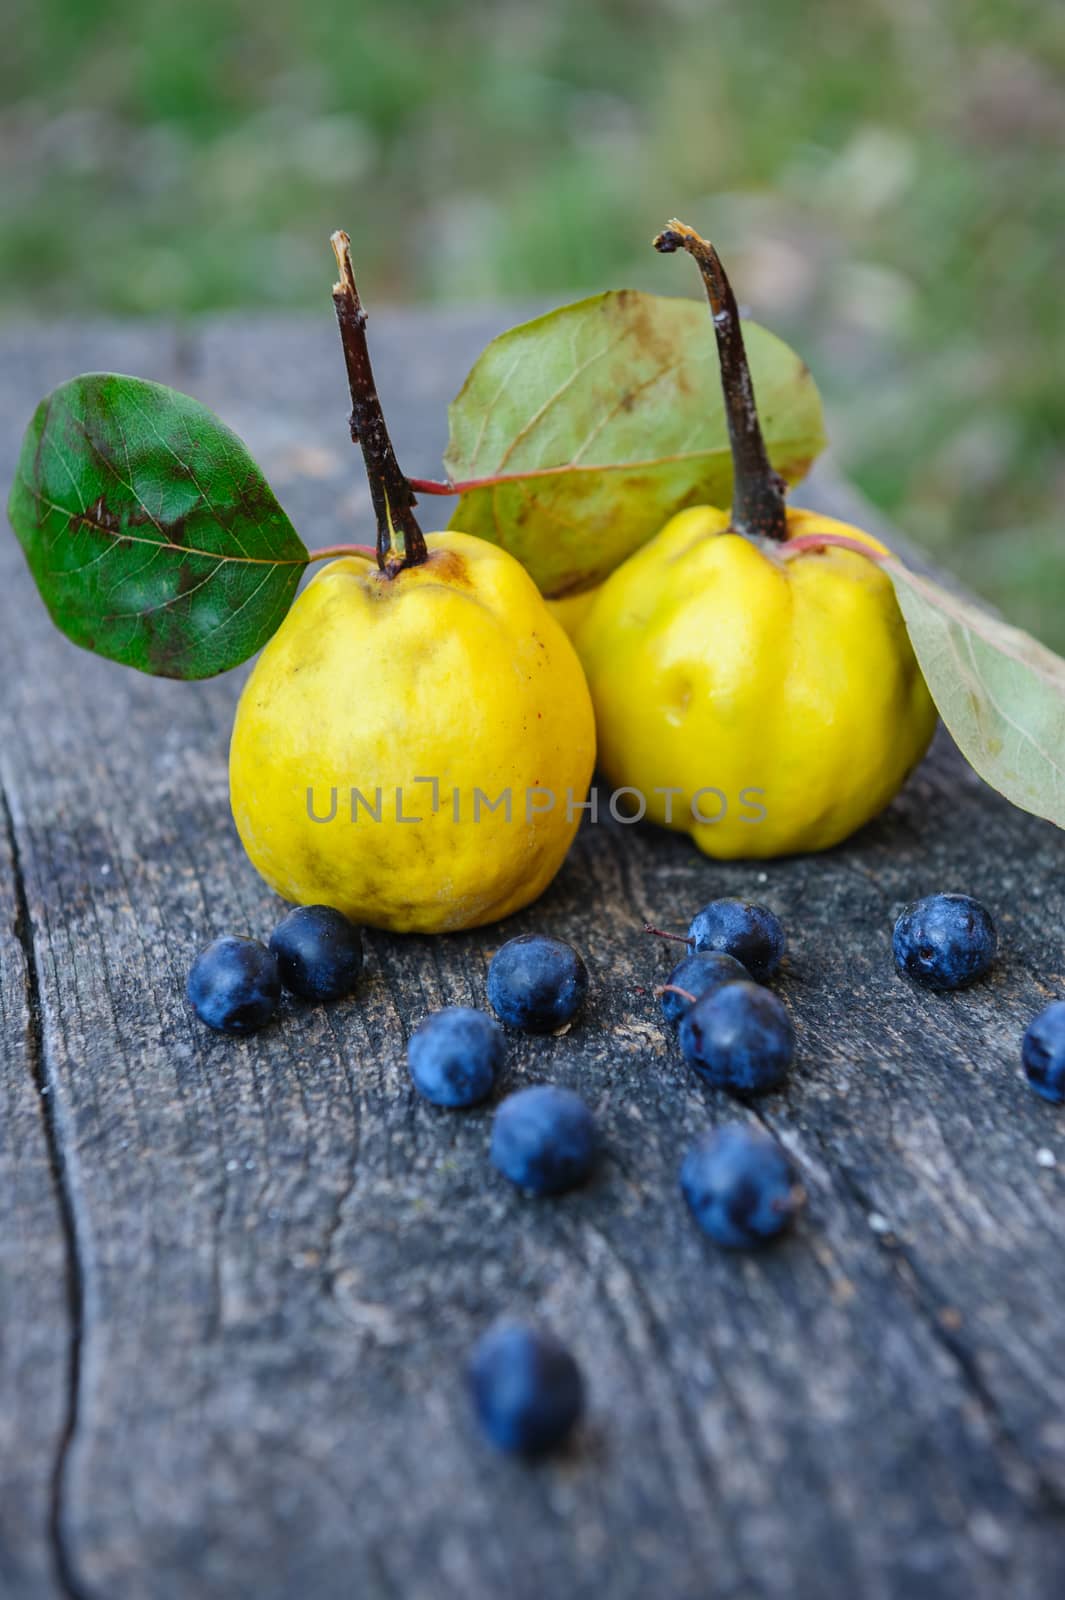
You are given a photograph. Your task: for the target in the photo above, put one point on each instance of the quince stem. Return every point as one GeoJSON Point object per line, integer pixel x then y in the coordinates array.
{"type": "Point", "coordinates": [830, 541]}
{"type": "Point", "coordinates": [400, 541]}
{"type": "Point", "coordinates": [758, 508]}
{"type": "Point", "coordinates": [330, 552]}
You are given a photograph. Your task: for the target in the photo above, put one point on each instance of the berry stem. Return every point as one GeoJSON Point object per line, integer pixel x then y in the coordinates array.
{"type": "Point", "coordinates": [674, 988]}
{"type": "Point", "coordinates": [660, 933]}
{"type": "Point", "coordinates": [795, 1197]}
{"type": "Point", "coordinates": [400, 541]}
{"type": "Point", "coordinates": [757, 490]}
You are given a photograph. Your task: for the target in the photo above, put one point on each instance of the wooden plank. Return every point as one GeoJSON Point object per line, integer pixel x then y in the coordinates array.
{"type": "Point", "coordinates": [35, 1325]}
{"type": "Point", "coordinates": [285, 1255]}
{"type": "Point", "coordinates": [40, 1260]}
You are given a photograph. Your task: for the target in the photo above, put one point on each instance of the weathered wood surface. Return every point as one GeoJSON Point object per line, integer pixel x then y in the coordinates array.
{"type": "Point", "coordinates": [278, 1256]}
{"type": "Point", "coordinates": [35, 1332]}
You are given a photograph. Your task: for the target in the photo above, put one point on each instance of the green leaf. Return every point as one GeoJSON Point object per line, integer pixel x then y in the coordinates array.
{"type": "Point", "coordinates": [152, 535]}
{"type": "Point", "coordinates": [999, 691]}
{"type": "Point", "coordinates": [600, 420]}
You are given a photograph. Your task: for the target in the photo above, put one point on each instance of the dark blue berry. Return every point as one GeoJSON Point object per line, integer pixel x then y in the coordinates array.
{"type": "Point", "coordinates": [544, 1139]}
{"type": "Point", "coordinates": [536, 983]}
{"type": "Point", "coordinates": [234, 985]}
{"type": "Point", "coordinates": [454, 1056]}
{"type": "Point", "coordinates": [749, 932]}
{"type": "Point", "coordinates": [319, 953]}
{"type": "Point", "coordinates": [1043, 1052]}
{"type": "Point", "coordinates": [527, 1388]}
{"type": "Point", "coordinates": [944, 941]}
{"type": "Point", "coordinates": [739, 1037]}
{"type": "Point", "coordinates": [740, 1186]}
{"type": "Point", "coordinates": [698, 973]}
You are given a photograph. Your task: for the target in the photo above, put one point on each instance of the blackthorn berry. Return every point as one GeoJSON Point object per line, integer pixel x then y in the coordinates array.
{"type": "Point", "coordinates": [234, 985]}
{"type": "Point", "coordinates": [739, 1037]}
{"type": "Point", "coordinates": [749, 932]}
{"type": "Point", "coordinates": [536, 983]}
{"type": "Point", "coordinates": [1043, 1052]}
{"type": "Point", "coordinates": [740, 1186]}
{"type": "Point", "coordinates": [944, 941]}
{"type": "Point", "coordinates": [526, 1387]}
{"type": "Point", "coordinates": [454, 1056]}
{"type": "Point", "coordinates": [706, 969]}
{"type": "Point", "coordinates": [319, 953]}
{"type": "Point", "coordinates": [544, 1139]}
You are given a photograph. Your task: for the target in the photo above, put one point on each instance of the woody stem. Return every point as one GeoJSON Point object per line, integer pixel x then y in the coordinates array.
{"type": "Point", "coordinates": [757, 490]}
{"type": "Point", "coordinates": [400, 541]}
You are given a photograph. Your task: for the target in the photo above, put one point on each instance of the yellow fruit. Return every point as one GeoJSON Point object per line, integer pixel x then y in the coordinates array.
{"type": "Point", "coordinates": [570, 611]}
{"type": "Point", "coordinates": [784, 688]}
{"type": "Point", "coordinates": [752, 678]}
{"type": "Point", "coordinates": [415, 741]}
{"type": "Point", "coordinates": [451, 670]}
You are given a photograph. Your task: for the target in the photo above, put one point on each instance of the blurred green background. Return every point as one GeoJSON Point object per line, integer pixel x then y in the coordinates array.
{"type": "Point", "coordinates": [883, 177]}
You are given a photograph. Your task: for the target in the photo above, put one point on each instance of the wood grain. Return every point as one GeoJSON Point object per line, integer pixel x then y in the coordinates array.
{"type": "Point", "coordinates": [281, 1256]}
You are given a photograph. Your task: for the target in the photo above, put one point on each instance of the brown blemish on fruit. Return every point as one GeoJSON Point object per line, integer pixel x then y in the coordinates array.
{"type": "Point", "coordinates": [317, 868]}
{"type": "Point", "coordinates": [681, 697]}
{"type": "Point", "coordinates": [447, 566]}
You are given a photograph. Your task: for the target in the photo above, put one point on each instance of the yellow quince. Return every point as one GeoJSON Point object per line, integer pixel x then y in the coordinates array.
{"type": "Point", "coordinates": [752, 676]}
{"type": "Point", "coordinates": [414, 743]}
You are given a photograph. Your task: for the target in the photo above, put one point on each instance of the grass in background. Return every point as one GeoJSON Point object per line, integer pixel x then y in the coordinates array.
{"type": "Point", "coordinates": [882, 176]}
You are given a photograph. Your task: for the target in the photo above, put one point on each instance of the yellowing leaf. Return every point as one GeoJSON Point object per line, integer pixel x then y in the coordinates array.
{"type": "Point", "coordinates": [595, 423]}
{"type": "Point", "coordinates": [999, 691]}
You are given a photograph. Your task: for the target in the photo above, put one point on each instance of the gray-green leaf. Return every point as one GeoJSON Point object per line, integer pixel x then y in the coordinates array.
{"type": "Point", "coordinates": [999, 691]}
{"type": "Point", "coordinates": [599, 421]}
{"type": "Point", "coordinates": [152, 535]}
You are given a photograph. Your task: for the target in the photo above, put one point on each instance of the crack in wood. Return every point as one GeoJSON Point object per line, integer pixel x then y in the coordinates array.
{"type": "Point", "coordinates": [920, 1294]}
{"type": "Point", "coordinates": [66, 1575]}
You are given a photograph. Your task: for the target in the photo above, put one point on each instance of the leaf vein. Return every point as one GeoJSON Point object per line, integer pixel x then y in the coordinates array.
{"type": "Point", "coordinates": [123, 537]}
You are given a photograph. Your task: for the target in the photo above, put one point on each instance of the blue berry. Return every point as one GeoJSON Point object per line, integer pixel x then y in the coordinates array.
{"type": "Point", "coordinates": [544, 1139]}
{"type": "Point", "coordinates": [740, 1186]}
{"type": "Point", "coordinates": [234, 985]}
{"type": "Point", "coordinates": [454, 1056]}
{"type": "Point", "coordinates": [706, 969]}
{"type": "Point", "coordinates": [526, 1387]}
{"type": "Point", "coordinates": [1043, 1052]}
{"type": "Point", "coordinates": [944, 941]}
{"type": "Point", "coordinates": [739, 1037]}
{"type": "Point", "coordinates": [319, 953]}
{"type": "Point", "coordinates": [749, 932]}
{"type": "Point", "coordinates": [536, 983]}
